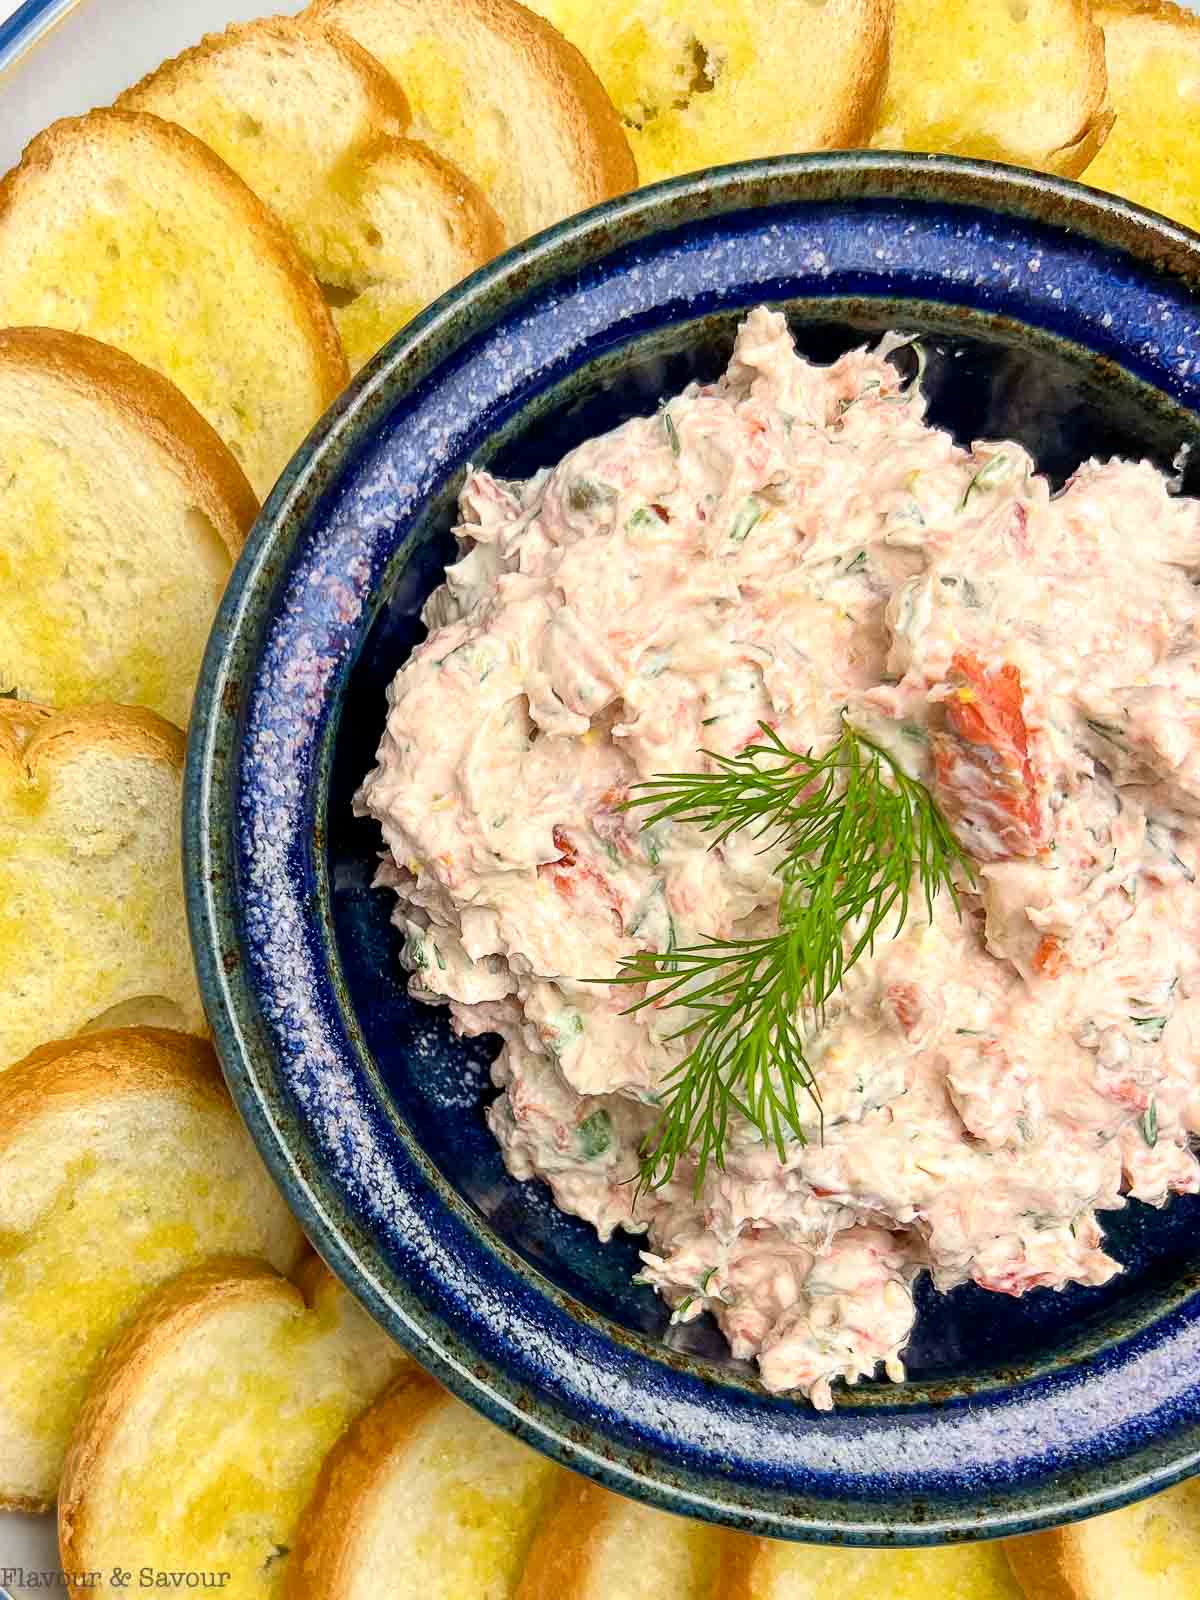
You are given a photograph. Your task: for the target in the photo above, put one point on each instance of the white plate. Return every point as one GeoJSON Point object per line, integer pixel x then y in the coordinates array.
{"type": "Point", "coordinates": [76, 54]}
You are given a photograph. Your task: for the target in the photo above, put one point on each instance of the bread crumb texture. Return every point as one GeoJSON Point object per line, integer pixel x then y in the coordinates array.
{"type": "Point", "coordinates": [809, 1572]}
{"type": "Point", "coordinates": [122, 1161]}
{"type": "Point", "coordinates": [505, 98]}
{"type": "Point", "coordinates": [123, 227]}
{"type": "Point", "coordinates": [1147, 1551]}
{"type": "Point", "coordinates": [1150, 156]}
{"type": "Point", "coordinates": [316, 127]}
{"type": "Point", "coordinates": [697, 85]}
{"type": "Point", "coordinates": [91, 884]}
{"type": "Point", "coordinates": [423, 1499]}
{"type": "Point", "coordinates": [203, 1437]}
{"type": "Point", "coordinates": [120, 516]}
{"type": "Point", "coordinates": [954, 84]}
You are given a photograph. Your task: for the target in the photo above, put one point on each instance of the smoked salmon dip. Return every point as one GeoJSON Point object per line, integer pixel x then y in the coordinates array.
{"type": "Point", "coordinates": [789, 546]}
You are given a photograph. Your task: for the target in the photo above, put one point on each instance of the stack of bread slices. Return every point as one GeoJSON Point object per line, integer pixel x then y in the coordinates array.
{"type": "Point", "coordinates": [187, 279]}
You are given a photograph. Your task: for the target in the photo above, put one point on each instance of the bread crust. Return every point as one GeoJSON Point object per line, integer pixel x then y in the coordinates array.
{"type": "Point", "coordinates": [174, 1314]}
{"type": "Point", "coordinates": [1150, 10]}
{"type": "Point", "coordinates": [605, 160]}
{"type": "Point", "coordinates": [862, 106]}
{"type": "Point", "coordinates": [157, 137]}
{"type": "Point", "coordinates": [103, 374]}
{"type": "Point", "coordinates": [1048, 1565]}
{"type": "Point", "coordinates": [566, 1542]}
{"type": "Point", "coordinates": [1097, 120]}
{"type": "Point", "coordinates": [389, 105]}
{"type": "Point", "coordinates": [33, 736]}
{"type": "Point", "coordinates": [469, 212]}
{"type": "Point", "coordinates": [86, 1069]}
{"type": "Point", "coordinates": [350, 1476]}
{"type": "Point", "coordinates": [740, 1555]}
{"type": "Point", "coordinates": [116, 1061]}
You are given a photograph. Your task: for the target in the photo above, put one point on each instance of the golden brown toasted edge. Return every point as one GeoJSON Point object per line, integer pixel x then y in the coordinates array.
{"type": "Point", "coordinates": [153, 404]}
{"type": "Point", "coordinates": [1047, 1565]}
{"type": "Point", "coordinates": [566, 1541]}
{"type": "Point", "coordinates": [90, 1066]}
{"type": "Point", "coordinates": [32, 735]}
{"type": "Point", "coordinates": [322, 1557]}
{"type": "Point", "coordinates": [740, 1554]}
{"type": "Point", "coordinates": [313, 1278]}
{"type": "Point", "coordinates": [1148, 10]}
{"type": "Point", "coordinates": [861, 109]}
{"type": "Point", "coordinates": [473, 220]}
{"type": "Point", "coordinates": [268, 232]}
{"type": "Point", "coordinates": [1096, 121]}
{"type": "Point", "coordinates": [389, 104]}
{"type": "Point", "coordinates": [172, 1315]}
{"type": "Point", "coordinates": [19, 723]}
{"type": "Point", "coordinates": [592, 118]}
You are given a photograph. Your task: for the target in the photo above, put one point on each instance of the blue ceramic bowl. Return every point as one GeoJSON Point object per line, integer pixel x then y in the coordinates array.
{"type": "Point", "coordinates": [1066, 320]}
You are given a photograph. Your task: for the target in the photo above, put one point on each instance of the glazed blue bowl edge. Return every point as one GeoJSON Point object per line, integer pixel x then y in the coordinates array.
{"type": "Point", "coordinates": [958, 1461]}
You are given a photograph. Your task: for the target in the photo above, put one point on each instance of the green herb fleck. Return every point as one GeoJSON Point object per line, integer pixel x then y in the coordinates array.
{"type": "Point", "coordinates": [1149, 1028]}
{"type": "Point", "coordinates": [992, 473]}
{"type": "Point", "coordinates": [919, 355]}
{"type": "Point", "coordinates": [749, 513]}
{"type": "Point", "coordinates": [568, 1030]}
{"type": "Point", "coordinates": [857, 564]}
{"type": "Point", "coordinates": [595, 1134]}
{"type": "Point", "coordinates": [672, 434]}
{"type": "Point", "coordinates": [1149, 1124]}
{"type": "Point", "coordinates": [1159, 836]}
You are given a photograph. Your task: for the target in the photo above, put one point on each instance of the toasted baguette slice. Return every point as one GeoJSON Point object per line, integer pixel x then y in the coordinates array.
{"type": "Point", "coordinates": [202, 1434]}
{"type": "Point", "coordinates": [1154, 81]}
{"type": "Point", "coordinates": [124, 227]}
{"type": "Point", "coordinates": [503, 96]}
{"type": "Point", "coordinates": [1148, 1551]}
{"type": "Point", "coordinates": [1023, 83]}
{"type": "Point", "coordinates": [314, 125]}
{"type": "Point", "coordinates": [427, 226]}
{"type": "Point", "coordinates": [421, 1500]}
{"type": "Point", "coordinates": [720, 80]}
{"type": "Point", "coordinates": [594, 1545]}
{"type": "Point", "coordinates": [122, 1161]}
{"type": "Point", "coordinates": [91, 892]}
{"type": "Point", "coordinates": [118, 525]}
{"type": "Point", "coordinates": [762, 1569]}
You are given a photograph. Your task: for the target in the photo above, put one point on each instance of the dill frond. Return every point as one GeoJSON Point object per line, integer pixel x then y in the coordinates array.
{"type": "Point", "coordinates": [857, 834]}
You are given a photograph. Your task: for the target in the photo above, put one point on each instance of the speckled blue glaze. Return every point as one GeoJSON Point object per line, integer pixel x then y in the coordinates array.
{"type": "Point", "coordinates": [1065, 320]}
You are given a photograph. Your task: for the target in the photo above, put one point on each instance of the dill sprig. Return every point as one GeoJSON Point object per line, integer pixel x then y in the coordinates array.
{"type": "Point", "coordinates": [857, 832]}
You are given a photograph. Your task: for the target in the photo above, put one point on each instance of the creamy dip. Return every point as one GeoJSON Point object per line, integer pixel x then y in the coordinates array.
{"type": "Point", "coordinates": [783, 546]}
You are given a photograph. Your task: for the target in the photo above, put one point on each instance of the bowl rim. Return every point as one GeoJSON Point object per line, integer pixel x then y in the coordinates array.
{"type": "Point", "coordinates": [212, 767]}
